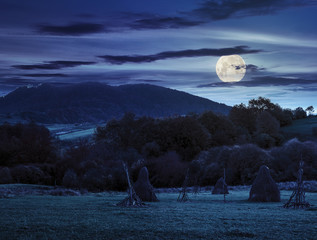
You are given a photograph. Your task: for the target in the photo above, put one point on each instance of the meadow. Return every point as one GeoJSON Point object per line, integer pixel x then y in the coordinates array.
{"type": "Point", "coordinates": [302, 126]}
{"type": "Point", "coordinates": [205, 216]}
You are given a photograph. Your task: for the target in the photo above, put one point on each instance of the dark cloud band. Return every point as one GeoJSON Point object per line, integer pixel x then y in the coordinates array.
{"type": "Point", "coordinates": [163, 22]}
{"type": "Point", "coordinates": [223, 9]}
{"type": "Point", "coordinates": [263, 81]}
{"type": "Point", "coordinates": [45, 75]}
{"type": "Point", "coordinates": [72, 29]}
{"type": "Point", "coordinates": [53, 65]}
{"type": "Point", "coordinates": [208, 10]}
{"type": "Point", "coordinates": [113, 59]}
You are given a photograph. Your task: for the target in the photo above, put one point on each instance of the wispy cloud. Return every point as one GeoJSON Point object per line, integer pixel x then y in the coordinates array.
{"type": "Point", "coordinates": [254, 69]}
{"type": "Point", "coordinates": [121, 59]}
{"type": "Point", "coordinates": [224, 9]}
{"type": "Point", "coordinates": [207, 11]}
{"type": "Point", "coordinates": [53, 65]}
{"type": "Point", "coordinates": [74, 29]}
{"type": "Point", "coordinates": [263, 81]}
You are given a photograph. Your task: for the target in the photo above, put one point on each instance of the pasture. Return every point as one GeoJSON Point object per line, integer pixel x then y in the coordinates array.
{"type": "Point", "coordinates": [301, 126]}
{"type": "Point", "coordinates": [206, 216]}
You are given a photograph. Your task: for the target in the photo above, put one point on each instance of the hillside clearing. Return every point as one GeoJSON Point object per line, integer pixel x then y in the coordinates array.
{"type": "Point", "coordinates": [302, 126]}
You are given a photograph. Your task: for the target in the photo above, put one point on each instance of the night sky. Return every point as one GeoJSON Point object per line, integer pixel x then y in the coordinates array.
{"type": "Point", "coordinates": [174, 44]}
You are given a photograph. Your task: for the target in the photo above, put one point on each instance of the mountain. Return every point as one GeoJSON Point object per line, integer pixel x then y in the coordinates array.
{"type": "Point", "coordinates": [97, 102]}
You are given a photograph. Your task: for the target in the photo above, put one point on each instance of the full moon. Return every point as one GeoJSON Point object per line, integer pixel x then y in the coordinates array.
{"type": "Point", "coordinates": [230, 68]}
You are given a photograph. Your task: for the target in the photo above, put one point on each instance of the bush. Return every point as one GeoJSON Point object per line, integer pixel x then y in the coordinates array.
{"type": "Point", "coordinates": [285, 162]}
{"type": "Point", "coordinates": [94, 180]}
{"type": "Point", "coordinates": [25, 144]}
{"type": "Point", "coordinates": [167, 170]}
{"type": "Point", "coordinates": [5, 176]}
{"type": "Point", "coordinates": [264, 140]}
{"type": "Point", "coordinates": [70, 179]}
{"type": "Point", "coordinates": [27, 174]}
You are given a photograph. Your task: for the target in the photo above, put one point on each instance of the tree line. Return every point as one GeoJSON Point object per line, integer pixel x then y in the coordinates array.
{"type": "Point", "coordinates": [247, 138]}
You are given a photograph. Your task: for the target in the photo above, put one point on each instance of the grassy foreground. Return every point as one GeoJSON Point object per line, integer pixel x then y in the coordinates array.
{"type": "Point", "coordinates": [95, 216]}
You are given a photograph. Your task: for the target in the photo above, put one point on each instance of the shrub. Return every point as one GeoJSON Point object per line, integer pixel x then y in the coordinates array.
{"type": "Point", "coordinates": [5, 176]}
{"type": "Point", "coordinates": [70, 179]}
{"type": "Point", "coordinates": [167, 170]}
{"type": "Point", "coordinates": [264, 140]}
{"type": "Point", "coordinates": [27, 174]}
{"type": "Point", "coordinates": [94, 180]}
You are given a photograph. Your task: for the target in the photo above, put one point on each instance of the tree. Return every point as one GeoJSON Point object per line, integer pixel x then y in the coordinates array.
{"type": "Point", "coordinates": [299, 113]}
{"type": "Point", "coordinates": [220, 128]}
{"type": "Point", "coordinates": [262, 104]}
{"type": "Point", "coordinates": [266, 123]}
{"type": "Point", "coordinates": [310, 110]}
{"type": "Point", "coordinates": [243, 116]}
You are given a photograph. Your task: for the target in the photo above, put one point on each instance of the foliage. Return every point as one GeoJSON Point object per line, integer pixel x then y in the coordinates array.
{"type": "Point", "coordinates": [205, 144]}
{"type": "Point", "coordinates": [310, 110]}
{"type": "Point", "coordinates": [5, 176]}
{"type": "Point", "coordinates": [299, 113]}
{"type": "Point", "coordinates": [25, 143]}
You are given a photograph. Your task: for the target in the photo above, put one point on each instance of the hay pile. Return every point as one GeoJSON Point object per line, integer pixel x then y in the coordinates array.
{"type": "Point", "coordinates": [220, 187]}
{"type": "Point", "coordinates": [143, 187]}
{"type": "Point", "coordinates": [264, 188]}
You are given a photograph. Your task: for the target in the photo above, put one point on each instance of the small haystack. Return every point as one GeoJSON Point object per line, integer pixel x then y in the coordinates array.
{"type": "Point", "coordinates": [220, 187]}
{"type": "Point", "coordinates": [143, 187]}
{"type": "Point", "coordinates": [133, 199]}
{"type": "Point", "coordinates": [264, 188]}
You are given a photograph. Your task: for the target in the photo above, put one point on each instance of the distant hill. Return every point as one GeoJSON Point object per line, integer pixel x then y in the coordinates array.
{"type": "Point", "coordinates": [97, 102]}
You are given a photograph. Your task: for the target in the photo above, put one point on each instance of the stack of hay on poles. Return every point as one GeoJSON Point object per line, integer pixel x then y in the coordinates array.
{"type": "Point", "coordinates": [264, 188]}
{"type": "Point", "coordinates": [220, 187]}
{"type": "Point", "coordinates": [143, 187]}
{"type": "Point", "coordinates": [133, 200]}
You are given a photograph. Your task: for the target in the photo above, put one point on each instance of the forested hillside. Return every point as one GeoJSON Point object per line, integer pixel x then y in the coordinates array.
{"type": "Point", "coordinates": [97, 102]}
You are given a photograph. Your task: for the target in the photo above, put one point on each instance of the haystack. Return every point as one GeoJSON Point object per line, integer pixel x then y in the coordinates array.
{"type": "Point", "coordinates": [264, 189]}
{"type": "Point", "coordinates": [143, 187]}
{"type": "Point", "coordinates": [220, 187]}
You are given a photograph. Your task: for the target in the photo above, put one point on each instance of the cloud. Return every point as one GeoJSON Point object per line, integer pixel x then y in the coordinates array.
{"type": "Point", "coordinates": [208, 10]}
{"type": "Point", "coordinates": [53, 65]}
{"type": "Point", "coordinates": [223, 9]}
{"type": "Point", "coordinates": [121, 59]}
{"type": "Point", "coordinates": [45, 75]}
{"type": "Point", "coordinates": [74, 29]}
{"type": "Point", "coordinates": [263, 81]}
{"type": "Point", "coordinates": [16, 81]}
{"type": "Point", "coordinates": [254, 69]}
{"type": "Point", "coordinates": [163, 22]}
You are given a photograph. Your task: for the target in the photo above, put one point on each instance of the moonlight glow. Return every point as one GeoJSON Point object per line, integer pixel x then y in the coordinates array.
{"type": "Point", "coordinates": [230, 68]}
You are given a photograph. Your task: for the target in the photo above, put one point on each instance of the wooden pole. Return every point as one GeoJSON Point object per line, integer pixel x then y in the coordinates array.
{"type": "Point", "coordinates": [223, 185]}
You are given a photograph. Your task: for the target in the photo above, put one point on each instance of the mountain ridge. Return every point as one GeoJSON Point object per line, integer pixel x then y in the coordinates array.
{"type": "Point", "coordinates": [98, 102]}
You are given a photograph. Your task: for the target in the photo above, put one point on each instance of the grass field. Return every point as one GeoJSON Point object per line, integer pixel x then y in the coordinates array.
{"type": "Point", "coordinates": [95, 216]}
{"type": "Point", "coordinates": [72, 131]}
{"type": "Point", "coordinates": [302, 126]}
